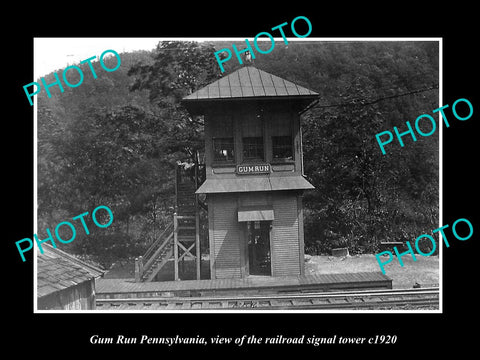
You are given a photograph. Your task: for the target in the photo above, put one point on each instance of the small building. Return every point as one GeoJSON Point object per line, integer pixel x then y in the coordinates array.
{"type": "Point", "coordinates": [65, 282]}
{"type": "Point", "coordinates": [254, 173]}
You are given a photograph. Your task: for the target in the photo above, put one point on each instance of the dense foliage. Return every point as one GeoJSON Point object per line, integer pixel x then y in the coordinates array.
{"type": "Point", "coordinates": [115, 140]}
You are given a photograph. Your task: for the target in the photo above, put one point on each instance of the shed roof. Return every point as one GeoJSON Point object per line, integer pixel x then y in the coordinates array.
{"type": "Point", "coordinates": [57, 270]}
{"type": "Point", "coordinates": [250, 82]}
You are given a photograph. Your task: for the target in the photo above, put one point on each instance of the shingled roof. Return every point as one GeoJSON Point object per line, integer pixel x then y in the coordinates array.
{"type": "Point", "coordinates": [57, 270]}
{"type": "Point", "coordinates": [250, 82]}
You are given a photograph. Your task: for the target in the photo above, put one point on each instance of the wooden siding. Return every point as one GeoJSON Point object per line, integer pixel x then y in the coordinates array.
{"type": "Point", "coordinates": [237, 122]}
{"type": "Point", "coordinates": [284, 240]}
{"type": "Point", "coordinates": [228, 242]}
{"type": "Point", "coordinates": [79, 297]}
{"type": "Point", "coordinates": [227, 234]}
{"type": "Point", "coordinates": [258, 199]}
{"type": "Point", "coordinates": [64, 282]}
{"type": "Point", "coordinates": [301, 239]}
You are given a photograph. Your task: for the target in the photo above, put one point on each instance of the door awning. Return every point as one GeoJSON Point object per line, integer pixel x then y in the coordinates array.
{"type": "Point", "coordinates": [255, 213]}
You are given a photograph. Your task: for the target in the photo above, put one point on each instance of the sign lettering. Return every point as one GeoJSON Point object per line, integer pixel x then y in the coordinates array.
{"type": "Point", "coordinates": [253, 169]}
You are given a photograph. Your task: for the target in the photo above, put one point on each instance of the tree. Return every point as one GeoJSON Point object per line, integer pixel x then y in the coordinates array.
{"type": "Point", "coordinates": [111, 142]}
{"type": "Point", "coordinates": [179, 68]}
{"type": "Point", "coordinates": [361, 196]}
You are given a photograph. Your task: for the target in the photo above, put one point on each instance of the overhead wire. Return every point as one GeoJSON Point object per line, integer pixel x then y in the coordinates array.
{"type": "Point", "coordinates": [363, 102]}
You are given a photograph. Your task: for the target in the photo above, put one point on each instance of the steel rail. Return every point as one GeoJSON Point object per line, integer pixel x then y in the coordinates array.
{"type": "Point", "coordinates": [323, 300]}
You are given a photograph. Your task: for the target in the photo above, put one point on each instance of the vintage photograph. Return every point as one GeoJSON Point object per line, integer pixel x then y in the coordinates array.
{"type": "Point", "coordinates": [164, 184]}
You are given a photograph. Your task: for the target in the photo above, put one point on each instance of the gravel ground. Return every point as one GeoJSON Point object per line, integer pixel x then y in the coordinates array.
{"type": "Point", "coordinates": [424, 271]}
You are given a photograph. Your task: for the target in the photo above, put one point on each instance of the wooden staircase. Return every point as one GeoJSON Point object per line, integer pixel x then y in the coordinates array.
{"type": "Point", "coordinates": [186, 219]}
{"type": "Point", "coordinates": [156, 257]}
{"type": "Point", "coordinates": [180, 240]}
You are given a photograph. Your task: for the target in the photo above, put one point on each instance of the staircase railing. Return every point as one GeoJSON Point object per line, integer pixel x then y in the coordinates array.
{"type": "Point", "coordinates": [153, 246]}
{"type": "Point", "coordinates": [158, 251]}
{"type": "Point", "coordinates": [143, 263]}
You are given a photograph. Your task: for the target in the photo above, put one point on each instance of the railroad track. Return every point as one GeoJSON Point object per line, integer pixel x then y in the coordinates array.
{"type": "Point", "coordinates": [367, 299]}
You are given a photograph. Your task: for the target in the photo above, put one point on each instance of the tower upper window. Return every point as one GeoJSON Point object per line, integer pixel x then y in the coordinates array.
{"type": "Point", "coordinates": [281, 132]}
{"type": "Point", "coordinates": [252, 139]}
{"type": "Point", "coordinates": [223, 142]}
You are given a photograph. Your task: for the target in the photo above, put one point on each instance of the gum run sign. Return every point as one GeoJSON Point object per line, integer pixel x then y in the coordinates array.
{"type": "Point", "coordinates": [253, 169]}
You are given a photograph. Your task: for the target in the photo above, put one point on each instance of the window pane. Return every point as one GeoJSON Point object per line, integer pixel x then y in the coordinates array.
{"type": "Point", "coordinates": [282, 147]}
{"type": "Point", "coordinates": [223, 149]}
{"type": "Point", "coordinates": [281, 125]}
{"type": "Point", "coordinates": [252, 126]}
{"type": "Point", "coordinates": [253, 148]}
{"type": "Point", "coordinates": [221, 126]}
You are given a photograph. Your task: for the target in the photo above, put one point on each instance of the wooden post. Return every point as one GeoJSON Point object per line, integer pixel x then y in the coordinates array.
{"type": "Point", "coordinates": [198, 255]}
{"type": "Point", "coordinates": [137, 270]}
{"type": "Point", "coordinates": [301, 241]}
{"type": "Point", "coordinates": [175, 244]}
{"type": "Point", "coordinates": [244, 250]}
{"type": "Point", "coordinates": [140, 267]}
{"type": "Point", "coordinates": [211, 243]}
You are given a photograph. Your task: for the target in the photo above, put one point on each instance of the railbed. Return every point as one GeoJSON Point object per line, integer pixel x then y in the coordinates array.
{"type": "Point", "coordinates": [128, 288]}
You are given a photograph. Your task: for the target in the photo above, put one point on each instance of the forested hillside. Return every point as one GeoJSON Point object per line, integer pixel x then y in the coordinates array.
{"type": "Point", "coordinates": [114, 141]}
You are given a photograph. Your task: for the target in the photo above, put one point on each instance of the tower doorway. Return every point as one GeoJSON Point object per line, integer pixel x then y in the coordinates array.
{"type": "Point", "coordinates": [259, 257]}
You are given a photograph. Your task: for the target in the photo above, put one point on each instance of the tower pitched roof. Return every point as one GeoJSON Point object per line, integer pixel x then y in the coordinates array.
{"type": "Point", "coordinates": [250, 82]}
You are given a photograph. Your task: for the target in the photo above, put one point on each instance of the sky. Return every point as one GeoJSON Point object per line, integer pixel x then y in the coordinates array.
{"type": "Point", "coordinates": [51, 54]}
